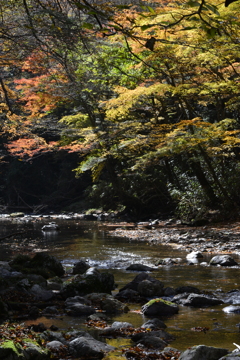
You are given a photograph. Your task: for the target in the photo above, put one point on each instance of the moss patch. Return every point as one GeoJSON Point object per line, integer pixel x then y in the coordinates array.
{"type": "Point", "coordinates": [11, 347]}
{"type": "Point", "coordinates": [151, 302]}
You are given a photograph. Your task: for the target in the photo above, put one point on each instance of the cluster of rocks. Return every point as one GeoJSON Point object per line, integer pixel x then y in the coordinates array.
{"type": "Point", "coordinates": [32, 287]}
{"type": "Point", "coordinates": [204, 239]}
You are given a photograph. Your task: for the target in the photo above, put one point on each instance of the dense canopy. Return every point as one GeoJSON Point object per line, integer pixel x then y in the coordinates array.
{"type": "Point", "coordinates": [147, 93]}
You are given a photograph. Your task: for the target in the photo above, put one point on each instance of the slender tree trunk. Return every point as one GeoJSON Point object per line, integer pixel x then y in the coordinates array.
{"type": "Point", "coordinates": [6, 95]}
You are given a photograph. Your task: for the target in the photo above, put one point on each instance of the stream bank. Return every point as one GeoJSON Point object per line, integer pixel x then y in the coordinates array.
{"type": "Point", "coordinates": [77, 239]}
{"type": "Point", "coordinates": [213, 238]}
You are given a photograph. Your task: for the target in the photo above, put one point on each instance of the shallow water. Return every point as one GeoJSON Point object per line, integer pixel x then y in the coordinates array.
{"type": "Point", "coordinates": [78, 239]}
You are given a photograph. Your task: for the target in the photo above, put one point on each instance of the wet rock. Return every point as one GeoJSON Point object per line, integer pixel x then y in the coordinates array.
{"type": "Point", "coordinates": [169, 291]}
{"type": "Point", "coordinates": [156, 333]}
{"type": "Point", "coordinates": [223, 260]}
{"type": "Point", "coordinates": [135, 284]}
{"type": "Point", "coordinates": [235, 355]}
{"type": "Point", "coordinates": [42, 264]}
{"type": "Point", "coordinates": [90, 217]}
{"type": "Point", "coordinates": [55, 283]}
{"type": "Point", "coordinates": [33, 351]}
{"type": "Point", "coordinates": [77, 299]}
{"type": "Point", "coordinates": [150, 288]}
{"type": "Point", "coordinates": [116, 328]}
{"type": "Point", "coordinates": [167, 261]}
{"type": "Point", "coordinates": [231, 309]}
{"type": "Point", "coordinates": [152, 342]}
{"type": "Point", "coordinates": [79, 309]}
{"type": "Point", "coordinates": [194, 255]}
{"type": "Point", "coordinates": [15, 351]}
{"type": "Point", "coordinates": [78, 306]}
{"type": "Point", "coordinates": [52, 226]}
{"type": "Point", "coordinates": [54, 345]}
{"type": "Point", "coordinates": [80, 267]}
{"type": "Point", "coordinates": [187, 289]}
{"type": "Point", "coordinates": [129, 295]}
{"type": "Point", "coordinates": [50, 310]}
{"type": "Point", "coordinates": [107, 303]}
{"type": "Point", "coordinates": [5, 265]}
{"type": "Point", "coordinates": [121, 325]}
{"type": "Point", "coordinates": [202, 352]}
{"type": "Point", "coordinates": [198, 300]}
{"type": "Point", "coordinates": [159, 307]}
{"type": "Point", "coordinates": [40, 327]}
{"type": "Point", "coordinates": [154, 324]}
{"type": "Point", "coordinates": [139, 267]}
{"type": "Point", "coordinates": [232, 297]}
{"type": "Point", "coordinates": [3, 310]}
{"type": "Point", "coordinates": [54, 335]}
{"type": "Point", "coordinates": [85, 347]}
{"type": "Point", "coordinates": [40, 293]}
{"type": "Point", "coordinates": [91, 281]}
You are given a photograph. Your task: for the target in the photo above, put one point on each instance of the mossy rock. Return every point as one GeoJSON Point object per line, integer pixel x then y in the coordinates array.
{"type": "Point", "coordinates": [159, 307]}
{"type": "Point", "coordinates": [11, 351]}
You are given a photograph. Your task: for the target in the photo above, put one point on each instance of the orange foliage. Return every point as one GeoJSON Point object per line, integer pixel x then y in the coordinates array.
{"type": "Point", "coordinates": [28, 147]}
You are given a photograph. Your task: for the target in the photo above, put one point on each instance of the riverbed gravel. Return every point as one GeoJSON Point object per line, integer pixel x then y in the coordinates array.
{"type": "Point", "coordinates": [217, 238]}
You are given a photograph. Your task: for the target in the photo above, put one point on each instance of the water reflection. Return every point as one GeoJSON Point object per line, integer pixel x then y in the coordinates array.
{"type": "Point", "coordinates": [76, 239]}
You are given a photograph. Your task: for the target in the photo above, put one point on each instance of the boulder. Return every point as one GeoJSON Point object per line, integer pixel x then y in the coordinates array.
{"type": "Point", "coordinates": [145, 285]}
{"type": "Point", "coordinates": [79, 309]}
{"type": "Point", "coordinates": [202, 352]}
{"type": "Point", "coordinates": [152, 342]}
{"type": "Point", "coordinates": [121, 325]}
{"type": "Point", "coordinates": [154, 324]}
{"type": "Point", "coordinates": [42, 264]}
{"type": "Point", "coordinates": [86, 347]}
{"type": "Point", "coordinates": [107, 303]}
{"type": "Point", "coordinates": [232, 297]}
{"type": "Point", "coordinates": [235, 355]}
{"type": "Point", "coordinates": [117, 327]}
{"type": "Point", "coordinates": [3, 310]}
{"type": "Point", "coordinates": [56, 336]}
{"type": "Point", "coordinates": [40, 293]}
{"type": "Point", "coordinates": [55, 283]}
{"type": "Point", "coordinates": [155, 333]}
{"type": "Point", "coordinates": [50, 310]}
{"type": "Point", "coordinates": [33, 351]}
{"type": "Point", "coordinates": [139, 267]}
{"type": "Point", "coordinates": [159, 307]}
{"type": "Point", "coordinates": [231, 309]}
{"type": "Point", "coordinates": [194, 255]}
{"type": "Point", "coordinates": [150, 288]}
{"type": "Point", "coordinates": [91, 281]}
{"type": "Point", "coordinates": [223, 260]}
{"type": "Point", "coordinates": [167, 261]}
{"type": "Point", "coordinates": [169, 291]}
{"type": "Point", "coordinates": [54, 345]}
{"type": "Point", "coordinates": [15, 351]}
{"type": "Point", "coordinates": [187, 289]}
{"type": "Point", "coordinates": [129, 295]}
{"type": "Point", "coordinates": [80, 267]}
{"type": "Point", "coordinates": [198, 300]}
{"type": "Point", "coordinates": [78, 306]}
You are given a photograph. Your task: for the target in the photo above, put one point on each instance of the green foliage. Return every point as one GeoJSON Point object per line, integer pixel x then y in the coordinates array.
{"type": "Point", "coordinates": [78, 121]}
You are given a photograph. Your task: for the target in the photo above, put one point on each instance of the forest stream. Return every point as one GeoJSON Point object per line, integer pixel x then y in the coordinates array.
{"type": "Point", "coordinates": [92, 242]}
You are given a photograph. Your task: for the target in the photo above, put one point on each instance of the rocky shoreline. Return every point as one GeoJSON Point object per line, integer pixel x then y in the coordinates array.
{"type": "Point", "coordinates": [31, 287]}
{"type": "Point", "coordinates": [216, 238]}
{"type": "Point", "coordinates": [35, 286]}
